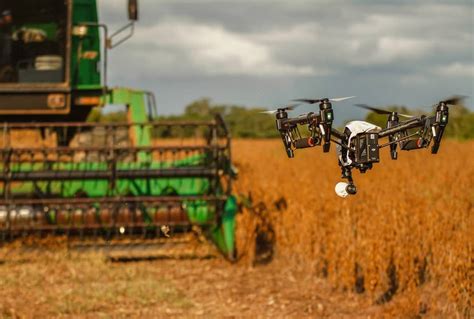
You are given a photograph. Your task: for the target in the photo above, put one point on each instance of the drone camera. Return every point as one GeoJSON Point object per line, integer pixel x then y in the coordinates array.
{"type": "Point", "coordinates": [351, 189]}
{"type": "Point", "coordinates": [366, 148]}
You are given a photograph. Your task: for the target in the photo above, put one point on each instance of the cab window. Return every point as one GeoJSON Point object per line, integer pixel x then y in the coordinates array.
{"type": "Point", "coordinates": [33, 41]}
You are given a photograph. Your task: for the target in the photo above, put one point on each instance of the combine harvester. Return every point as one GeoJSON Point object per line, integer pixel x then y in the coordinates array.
{"type": "Point", "coordinates": [98, 182]}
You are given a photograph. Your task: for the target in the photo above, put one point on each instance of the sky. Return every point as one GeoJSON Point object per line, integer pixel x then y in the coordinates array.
{"type": "Point", "coordinates": [263, 53]}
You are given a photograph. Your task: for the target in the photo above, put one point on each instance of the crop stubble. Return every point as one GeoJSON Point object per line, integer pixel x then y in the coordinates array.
{"type": "Point", "coordinates": [410, 225]}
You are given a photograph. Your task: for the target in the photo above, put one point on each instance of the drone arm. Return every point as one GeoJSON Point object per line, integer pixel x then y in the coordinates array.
{"type": "Point", "coordinates": [399, 140]}
{"type": "Point", "coordinates": [340, 143]}
{"type": "Point", "coordinates": [305, 120]}
{"type": "Point", "coordinates": [437, 138]}
{"type": "Point", "coordinates": [430, 127]}
{"type": "Point", "coordinates": [337, 134]}
{"type": "Point", "coordinates": [416, 122]}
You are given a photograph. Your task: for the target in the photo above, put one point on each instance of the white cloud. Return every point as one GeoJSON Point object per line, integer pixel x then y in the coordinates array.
{"type": "Point", "coordinates": [413, 79]}
{"type": "Point", "coordinates": [381, 35]}
{"type": "Point", "coordinates": [455, 69]}
{"type": "Point", "coordinates": [211, 50]}
{"type": "Point", "coordinates": [405, 49]}
{"type": "Point", "coordinates": [389, 49]}
{"type": "Point", "coordinates": [411, 34]}
{"type": "Point", "coordinates": [299, 33]}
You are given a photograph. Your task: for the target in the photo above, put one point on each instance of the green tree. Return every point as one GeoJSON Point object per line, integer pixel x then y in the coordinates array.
{"type": "Point", "coordinates": [199, 109]}
{"type": "Point", "coordinates": [249, 122]}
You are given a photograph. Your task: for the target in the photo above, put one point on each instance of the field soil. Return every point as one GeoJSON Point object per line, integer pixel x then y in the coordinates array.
{"type": "Point", "coordinates": [64, 284]}
{"type": "Point", "coordinates": [402, 247]}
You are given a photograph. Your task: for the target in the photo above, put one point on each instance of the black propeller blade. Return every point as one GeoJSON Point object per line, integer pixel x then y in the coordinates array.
{"type": "Point", "coordinates": [381, 111]}
{"type": "Point", "coordinates": [289, 107]}
{"type": "Point", "coordinates": [454, 100]}
{"type": "Point", "coordinates": [450, 101]}
{"type": "Point", "coordinates": [313, 101]}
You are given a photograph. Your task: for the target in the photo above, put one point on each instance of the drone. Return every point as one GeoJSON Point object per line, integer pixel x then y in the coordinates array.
{"type": "Point", "coordinates": [358, 146]}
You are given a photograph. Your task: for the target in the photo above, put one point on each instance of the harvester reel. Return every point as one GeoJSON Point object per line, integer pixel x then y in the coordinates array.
{"type": "Point", "coordinates": [98, 187]}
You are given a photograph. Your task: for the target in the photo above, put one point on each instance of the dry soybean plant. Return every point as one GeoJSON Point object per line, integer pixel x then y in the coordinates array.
{"type": "Point", "coordinates": [410, 226]}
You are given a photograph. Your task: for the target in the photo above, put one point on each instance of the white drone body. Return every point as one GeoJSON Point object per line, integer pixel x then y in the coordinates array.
{"type": "Point", "coordinates": [354, 127]}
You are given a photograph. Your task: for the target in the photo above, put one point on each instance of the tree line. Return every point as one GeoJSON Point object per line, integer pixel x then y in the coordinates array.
{"type": "Point", "coordinates": [245, 122]}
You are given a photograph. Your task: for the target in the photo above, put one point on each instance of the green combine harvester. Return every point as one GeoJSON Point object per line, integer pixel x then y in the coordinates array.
{"type": "Point", "coordinates": [61, 175]}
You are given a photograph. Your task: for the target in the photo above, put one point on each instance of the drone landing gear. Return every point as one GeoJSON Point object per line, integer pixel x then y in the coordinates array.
{"type": "Point", "coordinates": [344, 189]}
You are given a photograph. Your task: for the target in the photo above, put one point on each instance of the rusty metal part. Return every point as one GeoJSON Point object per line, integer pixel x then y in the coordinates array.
{"type": "Point", "coordinates": [59, 149]}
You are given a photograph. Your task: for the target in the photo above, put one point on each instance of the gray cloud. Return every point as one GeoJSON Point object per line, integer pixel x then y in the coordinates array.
{"type": "Point", "coordinates": [404, 52]}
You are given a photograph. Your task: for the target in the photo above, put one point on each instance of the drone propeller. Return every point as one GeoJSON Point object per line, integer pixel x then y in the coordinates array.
{"type": "Point", "coordinates": [452, 101]}
{"type": "Point", "coordinates": [381, 111]}
{"type": "Point", "coordinates": [335, 99]}
{"type": "Point", "coordinates": [289, 107]}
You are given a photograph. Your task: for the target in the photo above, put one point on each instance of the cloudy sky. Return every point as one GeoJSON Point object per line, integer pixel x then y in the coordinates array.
{"type": "Point", "coordinates": [264, 53]}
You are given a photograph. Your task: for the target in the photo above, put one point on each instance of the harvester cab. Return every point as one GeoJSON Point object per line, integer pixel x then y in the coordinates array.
{"type": "Point", "coordinates": [98, 182]}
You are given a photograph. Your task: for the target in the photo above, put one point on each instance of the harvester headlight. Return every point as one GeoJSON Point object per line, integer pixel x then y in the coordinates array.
{"type": "Point", "coordinates": [80, 31]}
{"type": "Point", "coordinates": [56, 101]}
{"type": "Point", "coordinates": [88, 100]}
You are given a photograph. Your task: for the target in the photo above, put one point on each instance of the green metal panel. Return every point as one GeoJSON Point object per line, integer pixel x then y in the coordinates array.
{"type": "Point", "coordinates": [100, 188]}
{"type": "Point", "coordinates": [136, 110]}
{"type": "Point", "coordinates": [85, 72]}
{"type": "Point", "coordinates": [223, 234]}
